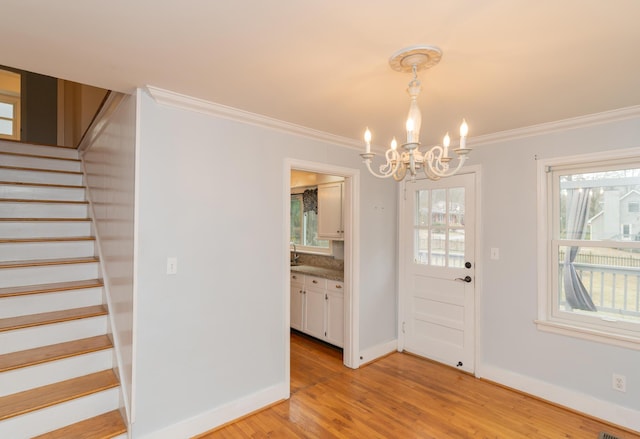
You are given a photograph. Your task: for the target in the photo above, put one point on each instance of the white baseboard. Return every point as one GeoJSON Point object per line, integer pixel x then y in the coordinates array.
{"type": "Point", "coordinates": [607, 411]}
{"type": "Point", "coordinates": [222, 415]}
{"type": "Point", "coordinates": [375, 352]}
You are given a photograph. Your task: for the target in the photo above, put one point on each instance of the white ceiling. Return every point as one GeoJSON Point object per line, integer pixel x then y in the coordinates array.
{"type": "Point", "coordinates": [324, 64]}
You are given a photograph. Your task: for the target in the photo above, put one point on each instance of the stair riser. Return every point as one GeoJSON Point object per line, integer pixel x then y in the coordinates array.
{"type": "Point", "coordinates": [44, 229]}
{"type": "Point", "coordinates": [12, 209]}
{"type": "Point", "coordinates": [37, 336]}
{"type": "Point", "coordinates": [25, 176]}
{"type": "Point", "coordinates": [38, 303]}
{"type": "Point", "coordinates": [26, 378]}
{"type": "Point", "coordinates": [26, 192]}
{"type": "Point", "coordinates": [60, 415]}
{"type": "Point", "coordinates": [50, 151]}
{"type": "Point", "coordinates": [39, 163]}
{"type": "Point", "coordinates": [28, 251]}
{"type": "Point", "coordinates": [14, 277]}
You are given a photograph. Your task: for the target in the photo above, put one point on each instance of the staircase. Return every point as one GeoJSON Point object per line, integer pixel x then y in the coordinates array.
{"type": "Point", "coordinates": [57, 377]}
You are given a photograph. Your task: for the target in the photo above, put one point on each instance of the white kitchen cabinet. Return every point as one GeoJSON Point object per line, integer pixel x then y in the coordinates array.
{"type": "Point", "coordinates": [334, 309]}
{"type": "Point", "coordinates": [297, 301]}
{"type": "Point", "coordinates": [314, 318]}
{"type": "Point", "coordinates": [330, 201]}
{"type": "Point", "coordinates": [317, 307]}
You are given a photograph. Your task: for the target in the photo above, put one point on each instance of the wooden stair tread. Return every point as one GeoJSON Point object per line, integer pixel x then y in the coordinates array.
{"type": "Point", "coordinates": [28, 200]}
{"type": "Point", "coordinates": [45, 354]}
{"type": "Point", "coordinates": [47, 239]}
{"type": "Point", "coordinates": [54, 185]}
{"type": "Point", "coordinates": [46, 318]}
{"type": "Point", "coordinates": [42, 262]}
{"type": "Point", "coordinates": [22, 220]}
{"type": "Point", "coordinates": [104, 426]}
{"type": "Point", "coordinates": [38, 156]}
{"type": "Point", "coordinates": [50, 288]}
{"type": "Point", "coordinates": [56, 393]}
{"type": "Point", "coordinates": [23, 168]}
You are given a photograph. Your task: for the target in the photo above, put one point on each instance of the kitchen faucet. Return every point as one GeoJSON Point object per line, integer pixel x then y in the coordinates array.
{"type": "Point", "coordinates": [295, 253]}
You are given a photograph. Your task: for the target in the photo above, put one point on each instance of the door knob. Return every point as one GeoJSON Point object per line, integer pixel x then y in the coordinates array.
{"type": "Point", "coordinates": [466, 279]}
{"type": "Point", "coordinates": [467, 264]}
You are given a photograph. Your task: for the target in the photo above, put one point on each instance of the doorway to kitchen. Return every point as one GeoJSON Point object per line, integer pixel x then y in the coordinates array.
{"type": "Point", "coordinates": [343, 237]}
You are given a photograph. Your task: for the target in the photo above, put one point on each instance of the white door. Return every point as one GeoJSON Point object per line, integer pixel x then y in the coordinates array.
{"type": "Point", "coordinates": [437, 285]}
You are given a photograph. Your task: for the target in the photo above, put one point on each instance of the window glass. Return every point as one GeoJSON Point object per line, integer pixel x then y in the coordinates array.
{"type": "Point", "coordinates": [304, 227]}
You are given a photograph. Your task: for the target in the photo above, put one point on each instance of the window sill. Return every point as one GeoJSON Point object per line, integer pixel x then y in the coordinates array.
{"type": "Point", "coordinates": [624, 341]}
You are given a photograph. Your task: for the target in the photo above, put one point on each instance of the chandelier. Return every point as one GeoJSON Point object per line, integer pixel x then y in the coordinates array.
{"type": "Point", "coordinates": [435, 162]}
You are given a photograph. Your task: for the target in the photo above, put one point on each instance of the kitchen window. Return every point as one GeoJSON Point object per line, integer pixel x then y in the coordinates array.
{"type": "Point", "coordinates": [589, 255]}
{"type": "Point", "coordinates": [304, 223]}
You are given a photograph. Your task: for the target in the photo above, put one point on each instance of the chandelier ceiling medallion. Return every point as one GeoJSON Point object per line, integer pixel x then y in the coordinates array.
{"type": "Point", "coordinates": [435, 162]}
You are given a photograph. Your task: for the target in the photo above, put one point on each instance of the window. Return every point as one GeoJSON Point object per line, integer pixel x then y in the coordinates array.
{"type": "Point", "coordinates": [304, 223]}
{"type": "Point", "coordinates": [591, 286]}
{"type": "Point", "coordinates": [9, 105]}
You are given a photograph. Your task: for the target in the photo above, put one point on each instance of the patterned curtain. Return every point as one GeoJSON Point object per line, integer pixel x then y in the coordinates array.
{"type": "Point", "coordinates": [310, 200]}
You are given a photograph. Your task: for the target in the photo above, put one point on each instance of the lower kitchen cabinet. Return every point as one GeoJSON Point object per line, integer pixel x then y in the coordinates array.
{"type": "Point", "coordinates": [317, 308]}
{"type": "Point", "coordinates": [297, 301]}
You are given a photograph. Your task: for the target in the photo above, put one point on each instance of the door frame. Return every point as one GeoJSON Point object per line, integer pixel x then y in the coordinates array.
{"type": "Point", "coordinates": [404, 241]}
{"type": "Point", "coordinates": [351, 217]}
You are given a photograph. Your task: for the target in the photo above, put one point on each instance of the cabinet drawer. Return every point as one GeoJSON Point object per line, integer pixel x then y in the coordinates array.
{"type": "Point", "coordinates": [315, 282]}
{"type": "Point", "coordinates": [335, 285]}
{"type": "Point", "coordinates": [296, 277]}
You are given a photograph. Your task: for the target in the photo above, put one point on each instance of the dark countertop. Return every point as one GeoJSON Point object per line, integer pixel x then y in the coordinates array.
{"type": "Point", "coordinates": [326, 273]}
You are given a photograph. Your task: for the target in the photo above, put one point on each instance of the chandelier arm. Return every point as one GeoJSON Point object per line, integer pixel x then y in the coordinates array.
{"type": "Point", "coordinates": [387, 169]}
{"type": "Point", "coordinates": [437, 166]}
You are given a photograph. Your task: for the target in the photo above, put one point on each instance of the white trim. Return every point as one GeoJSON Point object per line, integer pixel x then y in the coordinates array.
{"type": "Point", "coordinates": [166, 97]}
{"type": "Point", "coordinates": [351, 254]}
{"type": "Point", "coordinates": [546, 320]}
{"type": "Point", "coordinates": [605, 410]}
{"type": "Point", "coordinates": [177, 100]}
{"type": "Point", "coordinates": [374, 352]}
{"type": "Point", "coordinates": [559, 125]}
{"type": "Point", "coordinates": [222, 415]}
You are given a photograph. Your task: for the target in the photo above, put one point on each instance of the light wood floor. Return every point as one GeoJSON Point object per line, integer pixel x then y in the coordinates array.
{"type": "Point", "coordinates": [403, 396]}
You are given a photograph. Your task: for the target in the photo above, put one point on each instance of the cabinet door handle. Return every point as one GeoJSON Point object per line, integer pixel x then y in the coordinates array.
{"type": "Point", "coordinates": [338, 286]}
{"type": "Point", "coordinates": [294, 277]}
{"type": "Point", "coordinates": [315, 281]}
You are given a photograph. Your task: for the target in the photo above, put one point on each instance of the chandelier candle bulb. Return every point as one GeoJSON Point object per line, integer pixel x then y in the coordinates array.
{"type": "Point", "coordinates": [394, 143]}
{"type": "Point", "coordinates": [464, 130]}
{"type": "Point", "coordinates": [445, 143]}
{"type": "Point", "coordinates": [367, 140]}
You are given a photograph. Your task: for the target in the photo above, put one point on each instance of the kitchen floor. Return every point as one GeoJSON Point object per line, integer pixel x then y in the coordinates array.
{"type": "Point", "coordinates": [312, 361]}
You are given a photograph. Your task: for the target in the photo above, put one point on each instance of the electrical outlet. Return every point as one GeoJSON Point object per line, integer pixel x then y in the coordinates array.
{"type": "Point", "coordinates": [619, 382]}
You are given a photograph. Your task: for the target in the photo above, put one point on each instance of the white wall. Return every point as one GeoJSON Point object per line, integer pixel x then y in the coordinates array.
{"type": "Point", "coordinates": [570, 371]}
{"type": "Point", "coordinates": [211, 195]}
{"type": "Point", "coordinates": [109, 166]}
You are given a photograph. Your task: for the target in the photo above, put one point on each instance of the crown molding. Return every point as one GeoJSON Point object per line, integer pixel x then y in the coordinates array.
{"type": "Point", "coordinates": [559, 125]}
{"type": "Point", "coordinates": [177, 100]}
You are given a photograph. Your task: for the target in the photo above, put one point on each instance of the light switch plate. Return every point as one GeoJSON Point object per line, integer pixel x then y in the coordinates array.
{"type": "Point", "coordinates": [172, 265]}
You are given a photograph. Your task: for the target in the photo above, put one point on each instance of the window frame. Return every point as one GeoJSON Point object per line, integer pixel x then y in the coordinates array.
{"type": "Point", "coordinates": [14, 101]}
{"type": "Point", "coordinates": [550, 317]}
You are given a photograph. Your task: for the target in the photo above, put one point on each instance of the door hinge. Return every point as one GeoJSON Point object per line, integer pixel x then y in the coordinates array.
{"type": "Point", "coordinates": [326, 297]}
{"type": "Point", "coordinates": [403, 327]}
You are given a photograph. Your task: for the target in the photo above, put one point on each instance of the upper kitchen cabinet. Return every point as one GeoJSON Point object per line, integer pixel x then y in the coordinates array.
{"type": "Point", "coordinates": [330, 201]}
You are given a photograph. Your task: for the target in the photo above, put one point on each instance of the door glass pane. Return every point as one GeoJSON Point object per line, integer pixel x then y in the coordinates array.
{"type": "Point", "coordinates": [438, 207]}
{"type": "Point", "coordinates": [421, 246]}
{"type": "Point", "coordinates": [456, 206]}
{"type": "Point", "coordinates": [456, 247]}
{"type": "Point", "coordinates": [422, 212]}
{"type": "Point", "coordinates": [438, 246]}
